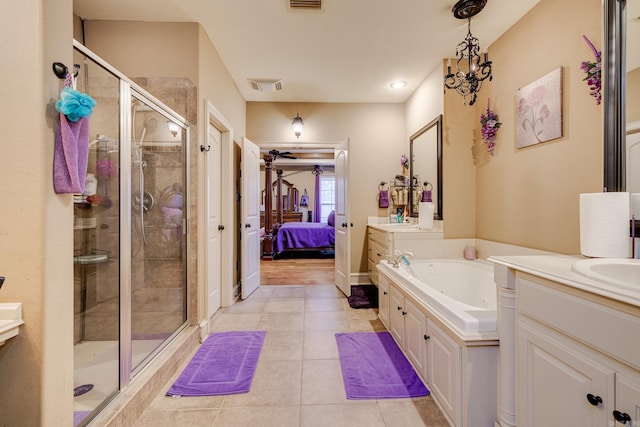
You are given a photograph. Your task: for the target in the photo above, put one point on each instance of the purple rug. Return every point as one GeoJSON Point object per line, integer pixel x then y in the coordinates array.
{"type": "Point", "coordinates": [373, 367]}
{"type": "Point", "coordinates": [363, 296]}
{"type": "Point", "coordinates": [224, 364]}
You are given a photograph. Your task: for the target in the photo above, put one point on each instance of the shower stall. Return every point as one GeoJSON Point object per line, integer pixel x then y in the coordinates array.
{"type": "Point", "coordinates": [130, 235]}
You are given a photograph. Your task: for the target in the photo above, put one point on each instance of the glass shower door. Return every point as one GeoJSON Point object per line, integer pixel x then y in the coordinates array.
{"type": "Point", "coordinates": [97, 257]}
{"type": "Point", "coordinates": [158, 238]}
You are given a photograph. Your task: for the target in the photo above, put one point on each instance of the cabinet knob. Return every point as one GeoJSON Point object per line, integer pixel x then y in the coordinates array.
{"type": "Point", "coordinates": [221, 227]}
{"type": "Point", "coordinates": [427, 337]}
{"type": "Point", "coordinates": [399, 308]}
{"type": "Point", "coordinates": [385, 293]}
{"type": "Point", "coordinates": [594, 400]}
{"type": "Point", "coordinates": [404, 313]}
{"type": "Point", "coordinates": [247, 225]}
{"type": "Point", "coordinates": [621, 417]}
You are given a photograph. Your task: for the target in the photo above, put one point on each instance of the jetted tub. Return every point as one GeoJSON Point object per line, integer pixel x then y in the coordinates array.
{"type": "Point", "coordinates": [461, 293]}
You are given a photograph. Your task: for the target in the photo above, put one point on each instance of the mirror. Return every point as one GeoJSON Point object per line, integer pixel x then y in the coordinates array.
{"type": "Point", "coordinates": [425, 166]}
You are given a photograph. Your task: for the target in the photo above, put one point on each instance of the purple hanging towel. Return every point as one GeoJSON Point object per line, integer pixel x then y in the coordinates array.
{"type": "Point", "coordinates": [383, 199]}
{"type": "Point", "coordinates": [70, 155]}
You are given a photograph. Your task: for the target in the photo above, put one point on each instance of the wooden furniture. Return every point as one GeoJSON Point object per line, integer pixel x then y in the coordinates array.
{"type": "Point", "coordinates": [286, 202]}
{"type": "Point", "coordinates": [286, 217]}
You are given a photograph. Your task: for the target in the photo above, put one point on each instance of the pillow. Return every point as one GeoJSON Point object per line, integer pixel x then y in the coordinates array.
{"type": "Point", "coordinates": [331, 219]}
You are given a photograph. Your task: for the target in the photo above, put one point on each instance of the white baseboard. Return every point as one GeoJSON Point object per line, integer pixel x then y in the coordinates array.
{"type": "Point", "coordinates": [360, 279]}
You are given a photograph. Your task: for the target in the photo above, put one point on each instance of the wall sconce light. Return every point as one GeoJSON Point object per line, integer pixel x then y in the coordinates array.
{"type": "Point", "coordinates": [174, 128]}
{"type": "Point", "coordinates": [477, 69]}
{"type": "Point", "coordinates": [297, 125]}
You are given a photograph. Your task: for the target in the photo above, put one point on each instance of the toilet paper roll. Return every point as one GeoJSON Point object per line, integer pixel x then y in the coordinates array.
{"type": "Point", "coordinates": [425, 215]}
{"type": "Point", "coordinates": [604, 225]}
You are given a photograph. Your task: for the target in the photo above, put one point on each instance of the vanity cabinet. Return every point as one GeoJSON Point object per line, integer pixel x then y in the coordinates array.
{"type": "Point", "coordinates": [408, 325]}
{"type": "Point", "coordinates": [578, 357]}
{"type": "Point", "coordinates": [444, 370]}
{"type": "Point", "coordinates": [378, 249]}
{"type": "Point", "coordinates": [383, 300]}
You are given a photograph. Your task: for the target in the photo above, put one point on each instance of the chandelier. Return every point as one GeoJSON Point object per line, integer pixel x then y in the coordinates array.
{"type": "Point", "coordinates": [471, 69]}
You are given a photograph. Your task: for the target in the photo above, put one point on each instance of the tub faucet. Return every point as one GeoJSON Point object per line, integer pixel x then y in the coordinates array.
{"type": "Point", "coordinates": [401, 256]}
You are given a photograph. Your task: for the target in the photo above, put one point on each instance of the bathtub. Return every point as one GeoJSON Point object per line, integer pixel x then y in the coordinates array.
{"type": "Point", "coordinates": [460, 293]}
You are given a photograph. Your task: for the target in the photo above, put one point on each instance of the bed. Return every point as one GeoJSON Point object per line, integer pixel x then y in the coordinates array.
{"type": "Point", "coordinates": [305, 235]}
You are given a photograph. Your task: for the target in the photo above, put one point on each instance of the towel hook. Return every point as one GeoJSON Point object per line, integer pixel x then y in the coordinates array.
{"type": "Point", "coordinates": [61, 70]}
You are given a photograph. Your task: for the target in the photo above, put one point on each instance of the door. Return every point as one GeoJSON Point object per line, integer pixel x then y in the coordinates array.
{"type": "Point", "coordinates": [213, 191]}
{"type": "Point", "coordinates": [250, 226]}
{"type": "Point", "coordinates": [342, 252]}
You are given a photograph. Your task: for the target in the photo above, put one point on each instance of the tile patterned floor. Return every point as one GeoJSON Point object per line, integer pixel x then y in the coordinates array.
{"type": "Point", "coordinates": [298, 381]}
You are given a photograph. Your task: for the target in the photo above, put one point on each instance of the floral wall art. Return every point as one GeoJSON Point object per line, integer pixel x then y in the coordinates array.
{"type": "Point", "coordinates": [539, 110]}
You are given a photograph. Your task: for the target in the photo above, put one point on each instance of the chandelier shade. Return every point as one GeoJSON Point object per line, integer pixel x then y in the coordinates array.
{"type": "Point", "coordinates": [471, 67]}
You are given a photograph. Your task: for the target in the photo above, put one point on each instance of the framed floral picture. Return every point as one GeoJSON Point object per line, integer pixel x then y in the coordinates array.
{"type": "Point", "coordinates": [539, 110]}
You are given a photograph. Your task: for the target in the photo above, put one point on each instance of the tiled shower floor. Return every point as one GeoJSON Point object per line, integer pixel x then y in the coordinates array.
{"type": "Point", "coordinates": [298, 381]}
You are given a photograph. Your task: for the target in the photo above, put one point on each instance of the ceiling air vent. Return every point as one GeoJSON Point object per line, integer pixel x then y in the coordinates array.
{"type": "Point", "coordinates": [305, 4]}
{"type": "Point", "coordinates": [265, 85]}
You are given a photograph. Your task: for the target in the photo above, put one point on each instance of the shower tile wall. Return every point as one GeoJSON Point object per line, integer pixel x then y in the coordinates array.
{"type": "Point", "coordinates": [159, 303]}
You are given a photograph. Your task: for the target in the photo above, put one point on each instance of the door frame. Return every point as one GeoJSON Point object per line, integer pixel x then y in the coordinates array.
{"type": "Point", "coordinates": [214, 117]}
{"type": "Point", "coordinates": [333, 145]}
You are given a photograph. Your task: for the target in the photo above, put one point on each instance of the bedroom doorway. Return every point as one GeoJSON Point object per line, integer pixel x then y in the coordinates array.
{"type": "Point", "coordinates": [296, 173]}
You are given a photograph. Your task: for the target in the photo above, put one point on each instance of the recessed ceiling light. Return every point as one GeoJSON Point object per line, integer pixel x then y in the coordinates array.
{"type": "Point", "coordinates": [399, 84]}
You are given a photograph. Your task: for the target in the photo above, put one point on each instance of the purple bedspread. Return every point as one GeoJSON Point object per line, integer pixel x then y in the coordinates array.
{"type": "Point", "coordinates": [305, 235]}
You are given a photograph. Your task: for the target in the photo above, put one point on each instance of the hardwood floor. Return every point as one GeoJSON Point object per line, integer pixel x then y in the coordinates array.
{"type": "Point", "coordinates": [297, 271]}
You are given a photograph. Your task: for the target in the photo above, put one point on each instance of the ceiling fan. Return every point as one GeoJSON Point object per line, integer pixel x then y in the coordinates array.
{"type": "Point", "coordinates": [283, 154]}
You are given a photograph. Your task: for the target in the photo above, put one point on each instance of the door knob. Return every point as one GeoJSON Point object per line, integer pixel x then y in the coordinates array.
{"type": "Point", "coordinates": [247, 225]}
{"type": "Point", "coordinates": [621, 417]}
{"type": "Point", "coordinates": [344, 224]}
{"type": "Point", "coordinates": [221, 227]}
{"type": "Point", "coordinates": [594, 400]}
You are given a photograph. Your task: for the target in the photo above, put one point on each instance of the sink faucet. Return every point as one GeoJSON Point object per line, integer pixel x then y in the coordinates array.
{"type": "Point", "coordinates": [400, 256]}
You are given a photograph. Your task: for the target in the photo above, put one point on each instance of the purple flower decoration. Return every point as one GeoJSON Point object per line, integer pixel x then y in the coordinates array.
{"type": "Point", "coordinates": [490, 125]}
{"type": "Point", "coordinates": [404, 161]}
{"type": "Point", "coordinates": [594, 72]}
{"type": "Point", "coordinates": [74, 104]}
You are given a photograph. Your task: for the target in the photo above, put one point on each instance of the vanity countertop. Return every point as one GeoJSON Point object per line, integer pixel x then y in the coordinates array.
{"type": "Point", "coordinates": [558, 268]}
{"type": "Point", "coordinates": [435, 232]}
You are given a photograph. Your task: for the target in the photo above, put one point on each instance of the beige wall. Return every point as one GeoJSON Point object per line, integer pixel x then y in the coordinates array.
{"type": "Point", "coordinates": [530, 197]}
{"type": "Point", "coordinates": [36, 225]}
{"type": "Point", "coordinates": [376, 135]}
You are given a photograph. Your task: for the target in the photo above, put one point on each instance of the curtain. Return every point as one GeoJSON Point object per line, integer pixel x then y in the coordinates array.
{"type": "Point", "coordinates": [316, 197]}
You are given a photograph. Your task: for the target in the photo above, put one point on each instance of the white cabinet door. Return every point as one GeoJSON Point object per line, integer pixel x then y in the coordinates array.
{"type": "Point", "coordinates": [396, 316]}
{"type": "Point", "coordinates": [443, 370]}
{"type": "Point", "coordinates": [383, 300]}
{"type": "Point", "coordinates": [627, 399]}
{"type": "Point", "coordinates": [557, 380]}
{"type": "Point", "coordinates": [415, 328]}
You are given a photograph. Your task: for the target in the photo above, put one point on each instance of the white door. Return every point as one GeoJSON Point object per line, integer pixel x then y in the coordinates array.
{"type": "Point", "coordinates": [250, 234]}
{"type": "Point", "coordinates": [213, 202]}
{"type": "Point", "coordinates": [342, 252]}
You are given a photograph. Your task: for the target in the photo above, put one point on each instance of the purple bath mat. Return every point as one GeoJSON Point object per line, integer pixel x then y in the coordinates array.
{"type": "Point", "coordinates": [373, 367]}
{"type": "Point", "coordinates": [224, 364]}
{"type": "Point", "coordinates": [363, 296]}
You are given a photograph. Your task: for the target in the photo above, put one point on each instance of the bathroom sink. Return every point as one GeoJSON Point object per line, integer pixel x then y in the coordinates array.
{"type": "Point", "coordinates": [624, 272]}
{"type": "Point", "coordinates": [10, 320]}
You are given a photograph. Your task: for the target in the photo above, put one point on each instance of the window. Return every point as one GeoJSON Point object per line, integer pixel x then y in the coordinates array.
{"type": "Point", "coordinates": [327, 196]}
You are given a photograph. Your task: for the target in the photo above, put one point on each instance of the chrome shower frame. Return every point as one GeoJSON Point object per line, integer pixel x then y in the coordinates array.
{"type": "Point", "coordinates": [127, 90]}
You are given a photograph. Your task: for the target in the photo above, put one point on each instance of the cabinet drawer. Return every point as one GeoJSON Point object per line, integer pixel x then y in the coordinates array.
{"type": "Point", "coordinates": [611, 331]}
{"type": "Point", "coordinates": [381, 238]}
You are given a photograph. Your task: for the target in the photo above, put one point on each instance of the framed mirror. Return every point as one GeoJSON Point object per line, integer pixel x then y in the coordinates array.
{"type": "Point", "coordinates": [425, 166]}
